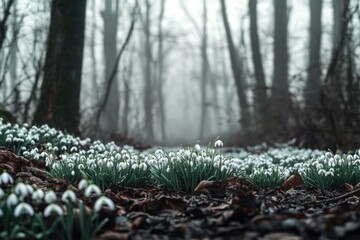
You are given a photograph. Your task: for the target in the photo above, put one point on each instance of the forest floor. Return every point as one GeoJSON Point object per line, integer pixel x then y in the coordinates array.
{"type": "Point", "coordinates": [234, 209]}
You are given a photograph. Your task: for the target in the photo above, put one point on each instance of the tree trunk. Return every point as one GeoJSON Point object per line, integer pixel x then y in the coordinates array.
{"type": "Point", "coordinates": [95, 87]}
{"type": "Point", "coordinates": [111, 111]}
{"type": "Point", "coordinates": [148, 98]}
{"type": "Point", "coordinates": [280, 87]}
{"type": "Point", "coordinates": [3, 22]}
{"type": "Point", "coordinates": [60, 91]}
{"type": "Point", "coordinates": [238, 72]}
{"type": "Point", "coordinates": [160, 84]}
{"type": "Point", "coordinates": [204, 74]}
{"type": "Point", "coordinates": [260, 95]}
{"type": "Point", "coordinates": [313, 84]}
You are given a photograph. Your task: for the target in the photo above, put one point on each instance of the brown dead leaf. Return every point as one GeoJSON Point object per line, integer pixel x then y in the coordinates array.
{"type": "Point", "coordinates": [348, 187]}
{"type": "Point", "coordinates": [293, 181]}
{"type": "Point", "coordinates": [112, 235]}
{"type": "Point", "coordinates": [13, 163]}
{"type": "Point", "coordinates": [211, 188]}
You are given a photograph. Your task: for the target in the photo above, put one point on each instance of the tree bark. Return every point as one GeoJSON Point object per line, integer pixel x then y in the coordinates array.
{"type": "Point", "coordinates": [148, 98]}
{"type": "Point", "coordinates": [260, 95]}
{"type": "Point", "coordinates": [160, 84]}
{"type": "Point", "coordinates": [313, 84]}
{"type": "Point", "coordinates": [60, 91]}
{"type": "Point", "coordinates": [204, 74]}
{"type": "Point", "coordinates": [238, 72]}
{"type": "Point", "coordinates": [280, 87]}
{"type": "Point", "coordinates": [111, 112]}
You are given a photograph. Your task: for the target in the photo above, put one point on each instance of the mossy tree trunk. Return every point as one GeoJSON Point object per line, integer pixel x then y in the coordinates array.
{"type": "Point", "coordinates": [60, 91]}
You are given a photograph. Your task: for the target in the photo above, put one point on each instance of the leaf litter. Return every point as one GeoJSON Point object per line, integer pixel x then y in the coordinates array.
{"type": "Point", "coordinates": [232, 209]}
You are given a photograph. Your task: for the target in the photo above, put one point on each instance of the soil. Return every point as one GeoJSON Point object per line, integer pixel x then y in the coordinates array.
{"type": "Point", "coordinates": [234, 209]}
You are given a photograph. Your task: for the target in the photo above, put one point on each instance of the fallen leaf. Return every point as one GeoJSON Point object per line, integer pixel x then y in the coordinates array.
{"type": "Point", "coordinates": [293, 181]}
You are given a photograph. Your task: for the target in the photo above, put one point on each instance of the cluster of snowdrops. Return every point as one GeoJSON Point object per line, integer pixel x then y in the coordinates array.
{"type": "Point", "coordinates": [103, 166]}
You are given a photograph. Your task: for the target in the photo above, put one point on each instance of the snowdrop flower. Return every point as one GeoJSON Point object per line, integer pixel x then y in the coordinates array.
{"type": "Point", "coordinates": [73, 149]}
{"type": "Point", "coordinates": [223, 168]}
{"type": "Point", "coordinates": [23, 190]}
{"type": "Point", "coordinates": [23, 208]}
{"type": "Point", "coordinates": [92, 189]}
{"type": "Point", "coordinates": [12, 200]}
{"type": "Point", "coordinates": [197, 147]}
{"type": "Point", "coordinates": [143, 166]}
{"type": "Point", "coordinates": [104, 201]}
{"type": "Point", "coordinates": [83, 184]}
{"type": "Point", "coordinates": [50, 197]}
{"type": "Point", "coordinates": [135, 166]}
{"type": "Point", "coordinates": [322, 172]}
{"type": "Point", "coordinates": [6, 178]}
{"type": "Point", "coordinates": [218, 143]}
{"type": "Point", "coordinates": [38, 195]}
{"type": "Point", "coordinates": [187, 153]}
{"type": "Point", "coordinates": [53, 209]}
{"type": "Point", "coordinates": [109, 164]}
{"type": "Point", "coordinates": [69, 196]}
{"type": "Point", "coordinates": [159, 152]}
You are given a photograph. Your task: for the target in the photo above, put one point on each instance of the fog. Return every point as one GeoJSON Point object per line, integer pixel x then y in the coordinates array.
{"type": "Point", "coordinates": [174, 82]}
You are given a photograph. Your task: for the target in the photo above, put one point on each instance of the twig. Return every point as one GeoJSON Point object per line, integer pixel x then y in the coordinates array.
{"type": "Point", "coordinates": [340, 197]}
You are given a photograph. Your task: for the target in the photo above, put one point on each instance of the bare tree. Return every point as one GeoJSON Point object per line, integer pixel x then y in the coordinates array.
{"type": "Point", "coordinates": [260, 95]}
{"type": "Point", "coordinates": [160, 74]}
{"type": "Point", "coordinates": [204, 72]}
{"type": "Point", "coordinates": [94, 76]}
{"type": "Point", "coordinates": [111, 112]}
{"type": "Point", "coordinates": [3, 22]}
{"type": "Point", "coordinates": [313, 83]}
{"type": "Point", "coordinates": [238, 72]}
{"type": "Point", "coordinates": [148, 98]}
{"type": "Point", "coordinates": [60, 90]}
{"type": "Point", "coordinates": [280, 97]}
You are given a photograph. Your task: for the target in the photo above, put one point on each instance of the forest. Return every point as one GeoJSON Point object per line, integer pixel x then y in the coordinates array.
{"type": "Point", "coordinates": [179, 119]}
{"type": "Point", "coordinates": [172, 72]}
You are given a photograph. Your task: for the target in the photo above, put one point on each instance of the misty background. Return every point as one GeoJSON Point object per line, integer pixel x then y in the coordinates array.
{"type": "Point", "coordinates": [173, 72]}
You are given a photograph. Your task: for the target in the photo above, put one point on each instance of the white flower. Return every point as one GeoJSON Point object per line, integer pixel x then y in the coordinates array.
{"type": "Point", "coordinates": [143, 166]}
{"type": "Point", "coordinates": [218, 143]}
{"type": "Point", "coordinates": [50, 197]}
{"type": "Point", "coordinates": [103, 201]}
{"type": "Point", "coordinates": [23, 208]}
{"type": "Point", "coordinates": [92, 189]}
{"type": "Point", "coordinates": [72, 173]}
{"type": "Point", "coordinates": [322, 172]}
{"type": "Point", "coordinates": [53, 208]}
{"type": "Point", "coordinates": [69, 196]}
{"type": "Point", "coordinates": [5, 178]}
{"type": "Point", "coordinates": [73, 149]}
{"type": "Point", "coordinates": [38, 195]}
{"type": "Point", "coordinates": [83, 184]}
{"type": "Point", "coordinates": [135, 166]}
{"type": "Point", "coordinates": [159, 152]}
{"type": "Point", "coordinates": [187, 153]}
{"type": "Point", "coordinates": [23, 190]}
{"type": "Point", "coordinates": [223, 168]}
{"type": "Point", "coordinates": [197, 147]}
{"type": "Point", "coordinates": [12, 200]}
